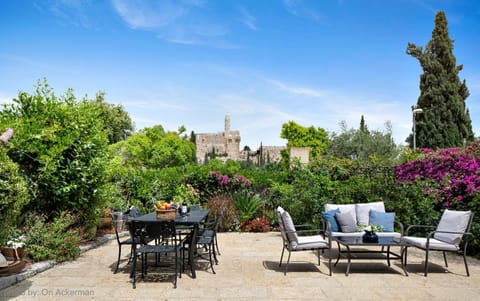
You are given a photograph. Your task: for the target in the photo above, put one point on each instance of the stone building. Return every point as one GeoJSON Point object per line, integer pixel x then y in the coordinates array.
{"type": "Point", "coordinates": [226, 145]}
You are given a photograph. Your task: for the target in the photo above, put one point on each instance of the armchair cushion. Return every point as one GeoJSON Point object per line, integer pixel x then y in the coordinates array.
{"type": "Point", "coordinates": [329, 216]}
{"type": "Point", "coordinates": [384, 219]}
{"type": "Point", "coordinates": [362, 211]}
{"type": "Point", "coordinates": [452, 221]}
{"type": "Point", "coordinates": [434, 244]}
{"type": "Point", "coordinates": [290, 229]}
{"type": "Point", "coordinates": [346, 221]}
{"type": "Point", "coordinates": [311, 242]}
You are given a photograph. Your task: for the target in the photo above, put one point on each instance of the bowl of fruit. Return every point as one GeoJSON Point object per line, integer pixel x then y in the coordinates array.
{"type": "Point", "coordinates": [165, 210]}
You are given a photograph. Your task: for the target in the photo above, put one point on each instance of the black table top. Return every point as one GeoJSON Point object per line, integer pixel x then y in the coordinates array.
{"type": "Point", "coordinates": [192, 218]}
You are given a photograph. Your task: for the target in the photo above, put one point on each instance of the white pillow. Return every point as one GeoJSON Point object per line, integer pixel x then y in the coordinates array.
{"type": "Point", "coordinates": [344, 208]}
{"type": "Point", "coordinates": [363, 211]}
{"type": "Point", "coordinates": [452, 221]}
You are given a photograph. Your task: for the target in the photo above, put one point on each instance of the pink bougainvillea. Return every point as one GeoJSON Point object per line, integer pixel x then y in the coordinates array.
{"type": "Point", "coordinates": [453, 174]}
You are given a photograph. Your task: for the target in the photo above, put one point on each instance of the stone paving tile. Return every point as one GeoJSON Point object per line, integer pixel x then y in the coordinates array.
{"type": "Point", "coordinates": [248, 270]}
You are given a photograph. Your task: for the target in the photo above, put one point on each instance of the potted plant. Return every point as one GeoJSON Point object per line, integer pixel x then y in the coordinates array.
{"type": "Point", "coordinates": [105, 218]}
{"type": "Point", "coordinates": [14, 247]}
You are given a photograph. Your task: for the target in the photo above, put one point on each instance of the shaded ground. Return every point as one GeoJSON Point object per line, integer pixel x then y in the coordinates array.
{"type": "Point", "coordinates": [248, 270]}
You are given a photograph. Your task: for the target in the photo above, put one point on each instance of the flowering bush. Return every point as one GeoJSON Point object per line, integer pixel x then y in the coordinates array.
{"type": "Point", "coordinates": [55, 239]}
{"type": "Point", "coordinates": [258, 224]}
{"type": "Point", "coordinates": [452, 174]}
{"type": "Point", "coordinates": [225, 183]}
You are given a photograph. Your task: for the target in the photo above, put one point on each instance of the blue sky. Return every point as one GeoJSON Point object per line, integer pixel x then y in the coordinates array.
{"type": "Point", "coordinates": [265, 62]}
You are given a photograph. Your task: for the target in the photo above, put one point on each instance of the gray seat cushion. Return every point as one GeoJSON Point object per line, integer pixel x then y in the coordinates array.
{"type": "Point", "coordinates": [311, 242]}
{"type": "Point", "coordinates": [435, 244]}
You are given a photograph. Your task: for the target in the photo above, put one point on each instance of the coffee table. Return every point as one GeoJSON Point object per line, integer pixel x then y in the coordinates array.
{"type": "Point", "coordinates": [383, 241]}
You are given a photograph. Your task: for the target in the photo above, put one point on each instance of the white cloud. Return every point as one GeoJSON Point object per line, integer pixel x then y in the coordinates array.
{"type": "Point", "coordinates": [247, 18]}
{"type": "Point", "coordinates": [300, 9]}
{"type": "Point", "coordinates": [303, 91]}
{"type": "Point", "coordinates": [181, 22]}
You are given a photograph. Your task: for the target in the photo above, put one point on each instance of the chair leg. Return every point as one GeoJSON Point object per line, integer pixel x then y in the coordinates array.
{"type": "Point", "coordinates": [216, 244]}
{"type": "Point", "coordinates": [210, 256]}
{"type": "Point", "coordinates": [318, 255]}
{"type": "Point", "coordinates": [288, 260]}
{"type": "Point", "coordinates": [466, 265]}
{"type": "Point", "coordinates": [118, 260]}
{"type": "Point", "coordinates": [445, 258]}
{"type": "Point", "coordinates": [330, 262]}
{"type": "Point", "coordinates": [426, 263]}
{"type": "Point", "coordinates": [281, 257]}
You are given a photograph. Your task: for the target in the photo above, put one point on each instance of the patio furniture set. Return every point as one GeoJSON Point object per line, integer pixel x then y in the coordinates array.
{"type": "Point", "coordinates": [342, 224]}
{"type": "Point", "coordinates": [177, 241]}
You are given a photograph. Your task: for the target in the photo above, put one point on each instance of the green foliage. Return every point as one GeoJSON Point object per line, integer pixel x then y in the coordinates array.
{"type": "Point", "coordinates": [60, 146]}
{"type": "Point", "coordinates": [155, 148]}
{"type": "Point", "coordinates": [445, 121]}
{"type": "Point", "coordinates": [117, 122]}
{"type": "Point", "coordinates": [55, 240]}
{"type": "Point", "coordinates": [13, 196]}
{"type": "Point", "coordinates": [363, 144]}
{"type": "Point", "coordinates": [299, 136]}
{"type": "Point", "coordinates": [246, 205]}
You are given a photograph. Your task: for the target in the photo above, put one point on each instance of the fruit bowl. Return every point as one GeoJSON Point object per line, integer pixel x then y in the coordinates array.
{"type": "Point", "coordinates": [166, 213]}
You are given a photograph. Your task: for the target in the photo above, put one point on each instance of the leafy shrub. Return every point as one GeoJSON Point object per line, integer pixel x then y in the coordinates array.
{"type": "Point", "coordinates": [229, 219]}
{"type": "Point", "coordinates": [13, 196]}
{"type": "Point", "coordinates": [246, 205]}
{"type": "Point", "coordinates": [52, 240]}
{"type": "Point", "coordinates": [60, 146]}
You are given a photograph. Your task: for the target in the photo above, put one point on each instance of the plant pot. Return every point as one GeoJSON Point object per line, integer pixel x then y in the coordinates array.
{"type": "Point", "coordinates": [105, 222]}
{"type": "Point", "coordinates": [370, 237]}
{"type": "Point", "coordinates": [13, 254]}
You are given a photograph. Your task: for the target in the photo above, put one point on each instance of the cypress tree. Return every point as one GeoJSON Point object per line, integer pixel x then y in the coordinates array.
{"type": "Point", "coordinates": [445, 121]}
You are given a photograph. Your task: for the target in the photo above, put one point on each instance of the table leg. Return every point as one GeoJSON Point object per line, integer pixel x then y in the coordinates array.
{"type": "Point", "coordinates": [388, 255]}
{"type": "Point", "coordinates": [191, 251]}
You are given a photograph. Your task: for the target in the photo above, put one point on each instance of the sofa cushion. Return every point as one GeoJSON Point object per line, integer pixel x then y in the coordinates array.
{"type": "Point", "coordinates": [329, 216]}
{"type": "Point", "coordinates": [452, 221]}
{"type": "Point", "coordinates": [344, 208]}
{"type": "Point", "coordinates": [362, 211]}
{"type": "Point", "coordinates": [346, 221]}
{"type": "Point", "coordinates": [384, 219]}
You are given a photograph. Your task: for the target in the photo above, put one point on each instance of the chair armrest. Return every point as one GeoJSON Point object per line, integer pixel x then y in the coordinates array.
{"type": "Point", "coordinates": [430, 234]}
{"type": "Point", "coordinates": [417, 226]}
{"type": "Point", "coordinates": [400, 225]}
{"type": "Point", "coordinates": [317, 231]}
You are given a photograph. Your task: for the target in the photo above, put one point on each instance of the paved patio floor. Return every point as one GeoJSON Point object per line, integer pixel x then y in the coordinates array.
{"type": "Point", "coordinates": [248, 270]}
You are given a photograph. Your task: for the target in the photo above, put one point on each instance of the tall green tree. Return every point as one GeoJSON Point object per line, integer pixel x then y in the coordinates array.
{"type": "Point", "coordinates": [116, 120]}
{"type": "Point", "coordinates": [363, 144]}
{"type": "Point", "coordinates": [299, 136]}
{"type": "Point", "coordinates": [60, 147]}
{"type": "Point", "coordinates": [445, 121]}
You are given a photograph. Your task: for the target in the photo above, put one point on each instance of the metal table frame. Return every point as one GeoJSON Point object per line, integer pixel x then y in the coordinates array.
{"type": "Point", "coordinates": [383, 242]}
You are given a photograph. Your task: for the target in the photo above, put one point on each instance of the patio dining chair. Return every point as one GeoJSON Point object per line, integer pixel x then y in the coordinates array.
{"type": "Point", "coordinates": [450, 235]}
{"type": "Point", "coordinates": [119, 223]}
{"type": "Point", "coordinates": [164, 234]}
{"type": "Point", "coordinates": [294, 240]}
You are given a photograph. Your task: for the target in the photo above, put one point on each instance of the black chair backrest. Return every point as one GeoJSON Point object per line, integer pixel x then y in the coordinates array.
{"type": "Point", "coordinates": [162, 230]}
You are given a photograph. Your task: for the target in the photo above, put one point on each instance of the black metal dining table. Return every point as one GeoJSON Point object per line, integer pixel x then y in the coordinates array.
{"type": "Point", "coordinates": [193, 219]}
